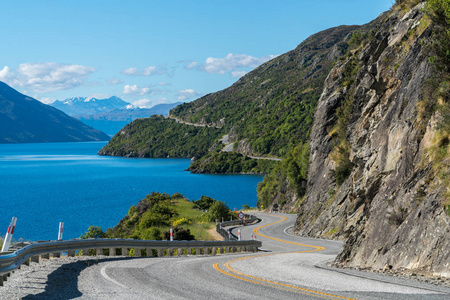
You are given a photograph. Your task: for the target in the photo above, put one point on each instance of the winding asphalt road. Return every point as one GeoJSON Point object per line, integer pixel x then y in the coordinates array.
{"type": "Point", "coordinates": [289, 267]}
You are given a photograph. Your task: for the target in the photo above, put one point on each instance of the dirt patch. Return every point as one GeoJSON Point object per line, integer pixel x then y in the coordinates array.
{"type": "Point", "coordinates": [213, 233]}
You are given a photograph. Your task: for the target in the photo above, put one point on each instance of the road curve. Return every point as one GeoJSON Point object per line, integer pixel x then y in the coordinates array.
{"type": "Point", "coordinates": [289, 267]}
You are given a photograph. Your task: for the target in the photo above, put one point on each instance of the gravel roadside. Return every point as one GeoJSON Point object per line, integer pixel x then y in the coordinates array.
{"type": "Point", "coordinates": [49, 279]}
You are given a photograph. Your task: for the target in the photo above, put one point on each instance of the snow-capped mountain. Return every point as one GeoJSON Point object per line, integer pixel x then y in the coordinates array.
{"type": "Point", "coordinates": [89, 106]}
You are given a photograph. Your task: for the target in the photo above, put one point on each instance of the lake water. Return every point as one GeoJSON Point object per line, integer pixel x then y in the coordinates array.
{"type": "Point", "coordinates": [44, 184]}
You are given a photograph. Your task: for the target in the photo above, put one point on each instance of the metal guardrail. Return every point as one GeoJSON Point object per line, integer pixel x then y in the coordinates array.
{"type": "Point", "coordinates": [33, 252]}
{"type": "Point", "coordinates": [224, 233]}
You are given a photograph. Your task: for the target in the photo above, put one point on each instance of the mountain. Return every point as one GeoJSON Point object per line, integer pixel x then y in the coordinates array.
{"type": "Point", "coordinates": [89, 106]}
{"type": "Point", "coordinates": [26, 120]}
{"type": "Point", "coordinates": [108, 115]}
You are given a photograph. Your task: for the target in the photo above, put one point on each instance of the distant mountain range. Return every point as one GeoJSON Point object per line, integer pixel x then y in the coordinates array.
{"type": "Point", "coordinates": [89, 106]}
{"type": "Point", "coordinates": [108, 115]}
{"type": "Point", "coordinates": [27, 120]}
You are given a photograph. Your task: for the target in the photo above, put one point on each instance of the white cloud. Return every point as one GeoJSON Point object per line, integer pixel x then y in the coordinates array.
{"type": "Point", "coordinates": [115, 81]}
{"type": "Point", "coordinates": [47, 77]}
{"type": "Point", "coordinates": [187, 94]}
{"type": "Point", "coordinates": [235, 64]}
{"type": "Point", "coordinates": [130, 89]}
{"type": "Point", "coordinates": [150, 70]}
{"type": "Point", "coordinates": [148, 103]}
{"type": "Point", "coordinates": [4, 73]}
{"type": "Point", "coordinates": [162, 83]}
{"type": "Point", "coordinates": [134, 89]}
{"type": "Point", "coordinates": [192, 65]}
{"type": "Point", "coordinates": [144, 91]}
{"type": "Point", "coordinates": [130, 71]}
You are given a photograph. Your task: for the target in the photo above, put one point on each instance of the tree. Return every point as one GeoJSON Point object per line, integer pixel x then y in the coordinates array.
{"type": "Point", "coordinates": [95, 232]}
{"type": "Point", "coordinates": [218, 211]}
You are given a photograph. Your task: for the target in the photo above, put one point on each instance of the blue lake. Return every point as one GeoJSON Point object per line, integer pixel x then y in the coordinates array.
{"type": "Point", "coordinates": [44, 184]}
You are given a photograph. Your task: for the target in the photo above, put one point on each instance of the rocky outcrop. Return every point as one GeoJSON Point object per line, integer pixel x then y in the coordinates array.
{"type": "Point", "coordinates": [389, 210]}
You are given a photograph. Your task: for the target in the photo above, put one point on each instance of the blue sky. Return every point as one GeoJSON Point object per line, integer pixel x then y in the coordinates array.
{"type": "Point", "coordinates": [150, 52]}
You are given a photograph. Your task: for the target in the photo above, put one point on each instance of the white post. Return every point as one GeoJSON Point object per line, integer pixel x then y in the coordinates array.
{"type": "Point", "coordinates": [229, 235]}
{"type": "Point", "coordinates": [9, 235]}
{"type": "Point", "coordinates": [171, 234]}
{"type": "Point", "coordinates": [239, 234]}
{"type": "Point", "coordinates": [60, 232]}
{"type": "Point", "coordinates": [222, 219]}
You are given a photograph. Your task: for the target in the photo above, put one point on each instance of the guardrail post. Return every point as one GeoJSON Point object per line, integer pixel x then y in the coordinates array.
{"type": "Point", "coordinates": [160, 252]}
{"type": "Point", "coordinates": [221, 250]}
{"type": "Point", "coordinates": [99, 251]}
{"type": "Point", "coordinates": [198, 251]}
{"type": "Point", "coordinates": [180, 251]}
{"type": "Point", "coordinates": [45, 255]}
{"type": "Point", "coordinates": [70, 253]}
{"type": "Point", "coordinates": [170, 252]}
{"type": "Point", "coordinates": [149, 252]}
{"type": "Point", "coordinates": [214, 251]}
{"type": "Point", "coordinates": [112, 251]}
{"type": "Point", "coordinates": [60, 232]}
{"type": "Point", "coordinates": [9, 234]}
{"type": "Point", "coordinates": [56, 254]}
{"type": "Point", "coordinates": [1, 280]}
{"type": "Point", "coordinates": [35, 258]}
{"type": "Point", "coordinates": [137, 252]}
{"type": "Point", "coordinates": [27, 262]}
{"type": "Point", "coordinates": [124, 251]}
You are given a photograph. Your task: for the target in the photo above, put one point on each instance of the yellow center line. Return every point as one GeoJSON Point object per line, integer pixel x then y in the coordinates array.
{"type": "Point", "coordinates": [275, 284]}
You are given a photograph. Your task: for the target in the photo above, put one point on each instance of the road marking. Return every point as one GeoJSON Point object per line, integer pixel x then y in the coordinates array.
{"type": "Point", "coordinates": [275, 284]}
{"type": "Point", "coordinates": [103, 272]}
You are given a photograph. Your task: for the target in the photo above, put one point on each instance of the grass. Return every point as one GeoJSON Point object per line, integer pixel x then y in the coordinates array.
{"type": "Point", "coordinates": [198, 226]}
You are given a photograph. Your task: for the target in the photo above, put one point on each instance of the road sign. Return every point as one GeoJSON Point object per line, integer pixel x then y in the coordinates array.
{"type": "Point", "coordinates": [241, 215]}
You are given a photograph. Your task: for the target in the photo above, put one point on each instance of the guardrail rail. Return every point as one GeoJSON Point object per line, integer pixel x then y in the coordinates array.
{"type": "Point", "coordinates": [10, 261]}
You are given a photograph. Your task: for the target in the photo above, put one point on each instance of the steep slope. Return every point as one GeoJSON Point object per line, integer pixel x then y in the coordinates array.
{"type": "Point", "coordinates": [373, 179]}
{"type": "Point", "coordinates": [26, 120]}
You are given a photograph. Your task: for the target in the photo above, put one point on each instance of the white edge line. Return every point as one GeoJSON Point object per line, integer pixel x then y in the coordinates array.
{"type": "Point", "coordinates": [103, 272]}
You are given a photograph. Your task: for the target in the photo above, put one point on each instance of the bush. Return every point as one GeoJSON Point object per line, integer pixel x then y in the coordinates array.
{"type": "Point", "coordinates": [218, 211]}
{"type": "Point", "coordinates": [204, 202]}
{"type": "Point", "coordinates": [95, 232]}
{"type": "Point", "coordinates": [180, 234]}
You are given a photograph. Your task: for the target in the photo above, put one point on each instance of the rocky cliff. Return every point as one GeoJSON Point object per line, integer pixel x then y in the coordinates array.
{"type": "Point", "coordinates": [372, 180]}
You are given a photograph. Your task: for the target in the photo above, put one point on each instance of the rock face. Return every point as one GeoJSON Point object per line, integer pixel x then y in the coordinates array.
{"type": "Point", "coordinates": [26, 120]}
{"type": "Point", "coordinates": [389, 210]}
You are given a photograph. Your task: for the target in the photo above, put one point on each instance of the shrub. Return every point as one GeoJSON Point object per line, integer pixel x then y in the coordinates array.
{"type": "Point", "coordinates": [218, 210]}
{"type": "Point", "coordinates": [95, 232]}
{"type": "Point", "coordinates": [179, 234]}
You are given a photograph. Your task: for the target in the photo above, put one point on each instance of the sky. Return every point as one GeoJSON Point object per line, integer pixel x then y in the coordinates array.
{"type": "Point", "coordinates": [151, 52]}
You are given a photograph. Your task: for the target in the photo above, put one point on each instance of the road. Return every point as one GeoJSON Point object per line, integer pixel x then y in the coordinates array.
{"type": "Point", "coordinates": [289, 267]}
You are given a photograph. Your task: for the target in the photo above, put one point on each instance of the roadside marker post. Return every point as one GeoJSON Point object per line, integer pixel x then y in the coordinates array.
{"type": "Point", "coordinates": [9, 235]}
{"type": "Point", "coordinates": [171, 234]}
{"type": "Point", "coordinates": [60, 232]}
{"type": "Point", "coordinates": [239, 234]}
{"type": "Point", "coordinates": [229, 235]}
